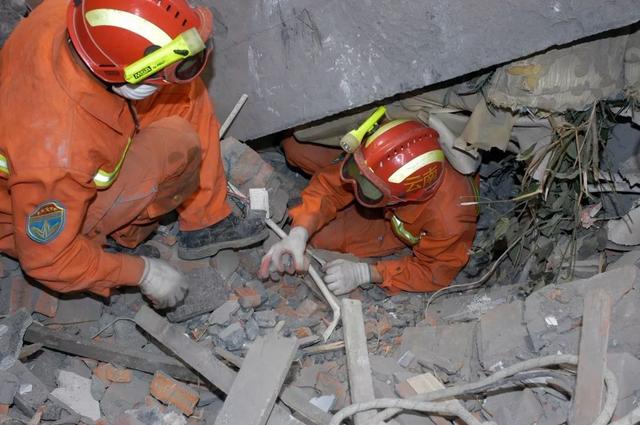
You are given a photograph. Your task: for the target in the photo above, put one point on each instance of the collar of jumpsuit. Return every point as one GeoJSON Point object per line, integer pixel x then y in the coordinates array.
{"type": "Point", "coordinates": [84, 89]}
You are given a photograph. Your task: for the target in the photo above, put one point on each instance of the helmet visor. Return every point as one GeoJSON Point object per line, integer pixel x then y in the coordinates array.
{"type": "Point", "coordinates": [366, 192]}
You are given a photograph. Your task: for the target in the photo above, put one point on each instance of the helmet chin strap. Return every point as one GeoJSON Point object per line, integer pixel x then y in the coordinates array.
{"type": "Point", "coordinates": [134, 91]}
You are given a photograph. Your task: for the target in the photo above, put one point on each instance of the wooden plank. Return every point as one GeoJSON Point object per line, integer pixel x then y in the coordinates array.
{"type": "Point", "coordinates": [192, 353]}
{"type": "Point", "coordinates": [426, 383]}
{"type": "Point", "coordinates": [355, 340]}
{"type": "Point", "coordinates": [109, 353]}
{"type": "Point", "coordinates": [592, 359]}
{"type": "Point", "coordinates": [258, 383]}
{"type": "Point", "coordinates": [214, 370]}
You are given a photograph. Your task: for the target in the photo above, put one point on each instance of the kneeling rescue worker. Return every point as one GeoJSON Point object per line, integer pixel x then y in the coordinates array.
{"type": "Point", "coordinates": [106, 127]}
{"type": "Point", "coordinates": [395, 191]}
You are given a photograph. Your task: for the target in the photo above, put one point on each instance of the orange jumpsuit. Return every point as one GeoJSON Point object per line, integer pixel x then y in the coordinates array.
{"type": "Point", "coordinates": [444, 227]}
{"type": "Point", "coordinates": [71, 149]}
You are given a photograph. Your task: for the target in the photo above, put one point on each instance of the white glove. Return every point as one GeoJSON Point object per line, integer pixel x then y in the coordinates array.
{"type": "Point", "coordinates": [344, 276]}
{"type": "Point", "coordinates": [162, 284]}
{"type": "Point", "coordinates": [281, 254]}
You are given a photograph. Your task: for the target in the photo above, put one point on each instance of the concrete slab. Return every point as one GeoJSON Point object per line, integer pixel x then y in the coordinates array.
{"type": "Point", "coordinates": [302, 60]}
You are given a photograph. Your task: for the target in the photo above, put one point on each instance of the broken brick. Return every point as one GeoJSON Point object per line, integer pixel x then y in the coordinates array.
{"type": "Point", "coordinates": [302, 332]}
{"type": "Point", "coordinates": [248, 297]}
{"type": "Point", "coordinates": [383, 326]}
{"type": "Point", "coordinates": [109, 373]}
{"type": "Point", "coordinates": [170, 391]}
{"type": "Point", "coordinates": [327, 384]}
{"type": "Point", "coordinates": [370, 328]}
{"type": "Point", "coordinates": [4, 409]}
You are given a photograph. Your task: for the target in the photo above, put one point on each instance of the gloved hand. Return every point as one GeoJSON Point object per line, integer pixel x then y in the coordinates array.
{"type": "Point", "coordinates": [344, 276]}
{"type": "Point", "coordinates": [162, 284]}
{"type": "Point", "coordinates": [287, 253]}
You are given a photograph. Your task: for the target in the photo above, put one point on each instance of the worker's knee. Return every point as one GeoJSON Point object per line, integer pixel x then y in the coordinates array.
{"type": "Point", "coordinates": [178, 143]}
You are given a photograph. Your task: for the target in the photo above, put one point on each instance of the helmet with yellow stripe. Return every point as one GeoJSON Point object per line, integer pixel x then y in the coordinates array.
{"type": "Point", "coordinates": [400, 162]}
{"type": "Point", "coordinates": [130, 41]}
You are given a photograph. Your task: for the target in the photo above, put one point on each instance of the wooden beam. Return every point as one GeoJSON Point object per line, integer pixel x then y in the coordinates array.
{"type": "Point", "coordinates": [592, 359]}
{"type": "Point", "coordinates": [256, 387]}
{"type": "Point", "coordinates": [214, 370]}
{"type": "Point", "coordinates": [109, 353]}
{"type": "Point", "coordinates": [355, 340]}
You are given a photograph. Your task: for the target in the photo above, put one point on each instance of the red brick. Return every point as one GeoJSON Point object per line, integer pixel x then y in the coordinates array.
{"type": "Point", "coordinates": [302, 332]}
{"type": "Point", "coordinates": [4, 409]}
{"type": "Point", "coordinates": [283, 309]}
{"type": "Point", "coordinates": [109, 373]}
{"type": "Point", "coordinates": [170, 391]}
{"type": "Point", "coordinates": [248, 297]}
{"type": "Point", "coordinates": [370, 328]}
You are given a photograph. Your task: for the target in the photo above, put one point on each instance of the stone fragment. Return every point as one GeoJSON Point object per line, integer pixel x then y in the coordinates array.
{"type": "Point", "coordinates": [32, 393]}
{"type": "Point", "coordinates": [98, 388]}
{"type": "Point", "coordinates": [75, 391]}
{"type": "Point", "coordinates": [383, 325]}
{"type": "Point", "coordinates": [626, 369]}
{"type": "Point", "coordinates": [233, 336]}
{"type": "Point", "coordinates": [207, 292]}
{"type": "Point", "coordinates": [248, 297]}
{"type": "Point", "coordinates": [170, 391]}
{"type": "Point", "coordinates": [222, 314]}
{"type": "Point", "coordinates": [404, 390]}
{"type": "Point", "coordinates": [226, 262]}
{"type": "Point", "coordinates": [12, 329]}
{"type": "Point", "coordinates": [324, 402]}
{"type": "Point", "coordinates": [109, 373]}
{"type": "Point", "coordinates": [406, 359]}
{"type": "Point", "coordinates": [77, 366]}
{"type": "Point", "coordinates": [251, 329]}
{"type": "Point", "coordinates": [265, 318]}
{"type": "Point", "coordinates": [78, 309]}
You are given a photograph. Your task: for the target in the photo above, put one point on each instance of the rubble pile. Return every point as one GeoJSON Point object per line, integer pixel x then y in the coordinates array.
{"type": "Point", "coordinates": [78, 359]}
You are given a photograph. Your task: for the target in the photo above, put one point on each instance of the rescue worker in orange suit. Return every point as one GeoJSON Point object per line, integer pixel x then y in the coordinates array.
{"type": "Point", "coordinates": [106, 126]}
{"type": "Point", "coordinates": [396, 190]}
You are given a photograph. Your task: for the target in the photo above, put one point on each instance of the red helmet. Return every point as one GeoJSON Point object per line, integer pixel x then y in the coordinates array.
{"type": "Point", "coordinates": [400, 162]}
{"type": "Point", "coordinates": [109, 35]}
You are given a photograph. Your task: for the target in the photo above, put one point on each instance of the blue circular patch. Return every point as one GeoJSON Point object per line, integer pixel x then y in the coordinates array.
{"type": "Point", "coordinates": [46, 221]}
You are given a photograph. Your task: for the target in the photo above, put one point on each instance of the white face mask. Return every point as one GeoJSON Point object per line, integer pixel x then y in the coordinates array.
{"type": "Point", "coordinates": [135, 91]}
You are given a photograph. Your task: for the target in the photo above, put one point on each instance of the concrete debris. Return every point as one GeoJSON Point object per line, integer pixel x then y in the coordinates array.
{"type": "Point", "coordinates": [78, 309]}
{"type": "Point", "coordinates": [447, 348]}
{"type": "Point", "coordinates": [222, 314]}
{"type": "Point", "coordinates": [75, 391]}
{"type": "Point", "coordinates": [406, 359]}
{"type": "Point", "coordinates": [121, 397]}
{"type": "Point", "coordinates": [207, 292]}
{"type": "Point", "coordinates": [150, 415]}
{"type": "Point", "coordinates": [514, 407]}
{"type": "Point", "coordinates": [249, 297]}
{"type": "Point", "coordinates": [502, 336]}
{"type": "Point", "coordinates": [98, 388]}
{"type": "Point", "coordinates": [265, 318]}
{"type": "Point", "coordinates": [9, 386]}
{"type": "Point", "coordinates": [324, 402]}
{"type": "Point", "coordinates": [32, 393]}
{"type": "Point", "coordinates": [233, 336]}
{"type": "Point", "coordinates": [226, 262]}
{"type": "Point", "coordinates": [12, 331]}
{"type": "Point", "coordinates": [172, 392]}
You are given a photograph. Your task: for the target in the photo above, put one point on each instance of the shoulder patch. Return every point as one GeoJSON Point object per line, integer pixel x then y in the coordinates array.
{"type": "Point", "coordinates": [46, 221]}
